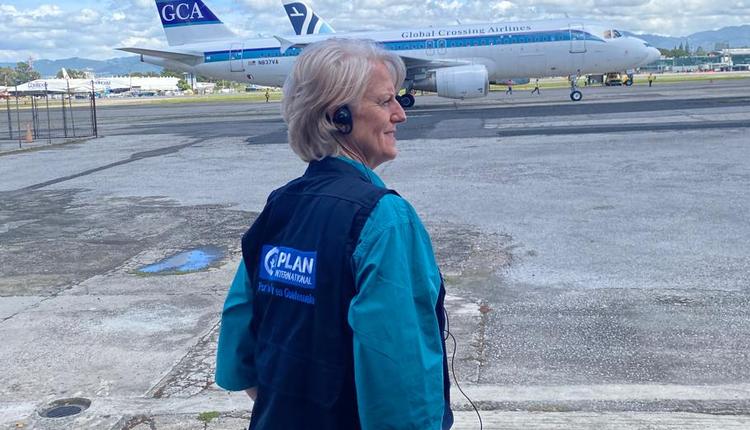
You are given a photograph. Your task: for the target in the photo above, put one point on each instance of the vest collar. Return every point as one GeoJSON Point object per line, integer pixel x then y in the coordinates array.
{"type": "Point", "coordinates": [343, 166]}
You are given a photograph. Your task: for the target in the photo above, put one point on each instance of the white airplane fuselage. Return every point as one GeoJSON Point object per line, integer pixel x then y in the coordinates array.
{"type": "Point", "coordinates": [532, 49]}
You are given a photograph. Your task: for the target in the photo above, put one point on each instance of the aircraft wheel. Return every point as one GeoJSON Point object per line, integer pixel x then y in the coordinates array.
{"type": "Point", "coordinates": [629, 83]}
{"type": "Point", "coordinates": [576, 96]}
{"type": "Point", "coordinates": [406, 101]}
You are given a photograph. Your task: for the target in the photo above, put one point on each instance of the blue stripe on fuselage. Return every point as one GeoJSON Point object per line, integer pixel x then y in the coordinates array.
{"type": "Point", "coordinates": [421, 44]}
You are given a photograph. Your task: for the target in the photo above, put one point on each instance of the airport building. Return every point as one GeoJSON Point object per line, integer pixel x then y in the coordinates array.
{"type": "Point", "coordinates": [726, 60]}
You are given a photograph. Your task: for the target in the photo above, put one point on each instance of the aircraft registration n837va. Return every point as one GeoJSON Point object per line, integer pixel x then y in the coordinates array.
{"type": "Point", "coordinates": [456, 62]}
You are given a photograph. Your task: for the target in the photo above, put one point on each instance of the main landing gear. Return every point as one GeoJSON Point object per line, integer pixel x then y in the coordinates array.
{"type": "Point", "coordinates": [575, 94]}
{"type": "Point", "coordinates": [406, 101]}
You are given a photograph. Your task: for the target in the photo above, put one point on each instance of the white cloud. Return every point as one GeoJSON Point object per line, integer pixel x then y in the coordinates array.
{"type": "Point", "coordinates": [87, 17]}
{"type": "Point", "coordinates": [45, 11]}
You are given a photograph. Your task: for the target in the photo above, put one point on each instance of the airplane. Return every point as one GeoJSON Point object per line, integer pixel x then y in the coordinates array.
{"type": "Point", "coordinates": [457, 62]}
{"type": "Point", "coordinates": [305, 21]}
{"type": "Point", "coordinates": [68, 85]}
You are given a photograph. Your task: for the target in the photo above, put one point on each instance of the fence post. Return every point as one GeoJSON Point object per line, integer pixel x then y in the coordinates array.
{"type": "Point", "coordinates": [18, 119]}
{"type": "Point", "coordinates": [10, 121]}
{"type": "Point", "coordinates": [49, 123]}
{"type": "Point", "coordinates": [72, 113]}
{"type": "Point", "coordinates": [65, 118]}
{"type": "Point", "coordinates": [93, 110]}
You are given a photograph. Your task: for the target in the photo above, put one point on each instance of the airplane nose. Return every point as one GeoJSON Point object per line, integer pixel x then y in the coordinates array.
{"type": "Point", "coordinates": [653, 55]}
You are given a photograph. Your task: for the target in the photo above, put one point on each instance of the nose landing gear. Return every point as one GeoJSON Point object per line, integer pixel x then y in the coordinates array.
{"type": "Point", "coordinates": [575, 94]}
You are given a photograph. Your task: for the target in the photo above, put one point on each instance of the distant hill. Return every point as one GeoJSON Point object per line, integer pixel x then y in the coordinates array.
{"type": "Point", "coordinates": [113, 66]}
{"type": "Point", "coordinates": [735, 37]}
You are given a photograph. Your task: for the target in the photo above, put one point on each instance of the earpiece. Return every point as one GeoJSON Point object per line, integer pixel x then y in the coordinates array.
{"type": "Point", "coordinates": [343, 120]}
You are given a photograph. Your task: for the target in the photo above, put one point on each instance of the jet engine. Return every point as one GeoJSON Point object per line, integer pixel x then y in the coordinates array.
{"type": "Point", "coordinates": [458, 82]}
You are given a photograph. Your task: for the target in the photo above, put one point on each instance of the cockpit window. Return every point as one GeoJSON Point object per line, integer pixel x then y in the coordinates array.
{"type": "Point", "coordinates": [612, 34]}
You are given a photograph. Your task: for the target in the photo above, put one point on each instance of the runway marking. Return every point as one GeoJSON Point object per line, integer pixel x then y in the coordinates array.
{"type": "Point", "coordinates": [135, 157]}
{"type": "Point", "coordinates": [595, 129]}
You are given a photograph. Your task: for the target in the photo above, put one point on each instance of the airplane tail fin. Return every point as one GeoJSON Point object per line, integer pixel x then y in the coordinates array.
{"type": "Point", "coordinates": [190, 21]}
{"type": "Point", "coordinates": [304, 20]}
{"type": "Point", "coordinates": [65, 73]}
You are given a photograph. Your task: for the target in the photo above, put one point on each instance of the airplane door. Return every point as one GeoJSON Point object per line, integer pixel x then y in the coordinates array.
{"type": "Point", "coordinates": [429, 47]}
{"type": "Point", "coordinates": [442, 47]}
{"type": "Point", "coordinates": [235, 58]}
{"type": "Point", "coordinates": [577, 39]}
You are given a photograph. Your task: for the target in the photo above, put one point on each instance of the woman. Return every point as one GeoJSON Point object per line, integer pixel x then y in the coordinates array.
{"type": "Point", "coordinates": [334, 318]}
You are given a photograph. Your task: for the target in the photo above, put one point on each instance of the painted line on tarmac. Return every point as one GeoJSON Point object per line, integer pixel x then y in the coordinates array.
{"type": "Point", "coordinates": [605, 392]}
{"type": "Point", "coordinates": [623, 128]}
{"type": "Point", "coordinates": [135, 157]}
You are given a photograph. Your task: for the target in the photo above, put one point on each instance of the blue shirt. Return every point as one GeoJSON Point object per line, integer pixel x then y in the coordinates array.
{"type": "Point", "coordinates": [397, 346]}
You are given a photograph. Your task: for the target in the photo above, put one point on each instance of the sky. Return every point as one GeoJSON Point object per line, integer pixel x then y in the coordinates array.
{"type": "Point", "coordinates": [92, 29]}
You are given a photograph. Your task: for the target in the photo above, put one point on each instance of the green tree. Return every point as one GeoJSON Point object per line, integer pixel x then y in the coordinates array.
{"type": "Point", "coordinates": [7, 76]}
{"type": "Point", "coordinates": [169, 73]}
{"type": "Point", "coordinates": [72, 73]}
{"type": "Point", "coordinates": [183, 85]}
{"type": "Point", "coordinates": [145, 75]}
{"type": "Point", "coordinates": [24, 73]}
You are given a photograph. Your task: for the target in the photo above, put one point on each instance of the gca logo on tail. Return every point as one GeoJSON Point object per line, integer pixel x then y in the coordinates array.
{"type": "Point", "coordinates": [181, 12]}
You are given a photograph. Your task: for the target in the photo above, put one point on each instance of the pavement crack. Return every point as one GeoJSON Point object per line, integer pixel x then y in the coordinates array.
{"type": "Point", "coordinates": [481, 341]}
{"type": "Point", "coordinates": [136, 421]}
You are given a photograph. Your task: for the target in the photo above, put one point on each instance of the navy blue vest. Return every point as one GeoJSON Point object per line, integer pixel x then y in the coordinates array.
{"type": "Point", "coordinates": [298, 257]}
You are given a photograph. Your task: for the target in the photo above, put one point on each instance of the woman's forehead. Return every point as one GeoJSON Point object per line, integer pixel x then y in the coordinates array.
{"type": "Point", "coordinates": [380, 80]}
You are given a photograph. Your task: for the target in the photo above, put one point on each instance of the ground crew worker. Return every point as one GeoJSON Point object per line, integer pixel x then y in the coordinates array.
{"type": "Point", "coordinates": [334, 318]}
{"type": "Point", "coordinates": [650, 79]}
{"type": "Point", "coordinates": [268, 95]}
{"type": "Point", "coordinates": [536, 87]}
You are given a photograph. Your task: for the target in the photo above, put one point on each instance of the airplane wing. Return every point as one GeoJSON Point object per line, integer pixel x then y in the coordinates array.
{"type": "Point", "coordinates": [413, 63]}
{"type": "Point", "coordinates": [183, 57]}
{"type": "Point", "coordinates": [286, 44]}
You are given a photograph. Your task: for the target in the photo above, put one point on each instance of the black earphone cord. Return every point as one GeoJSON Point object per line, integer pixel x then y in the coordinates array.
{"type": "Point", "coordinates": [453, 370]}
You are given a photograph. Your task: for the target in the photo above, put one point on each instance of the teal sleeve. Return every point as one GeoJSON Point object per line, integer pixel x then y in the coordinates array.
{"type": "Point", "coordinates": [235, 366]}
{"type": "Point", "coordinates": [398, 367]}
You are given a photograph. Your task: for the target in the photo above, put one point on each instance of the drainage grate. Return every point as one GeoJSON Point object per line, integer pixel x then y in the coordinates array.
{"type": "Point", "coordinates": [65, 408]}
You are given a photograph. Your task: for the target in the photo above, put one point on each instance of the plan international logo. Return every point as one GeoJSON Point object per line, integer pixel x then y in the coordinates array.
{"type": "Point", "coordinates": [288, 266]}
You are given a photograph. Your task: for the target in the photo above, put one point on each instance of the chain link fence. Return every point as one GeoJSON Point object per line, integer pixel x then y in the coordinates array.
{"type": "Point", "coordinates": [46, 118]}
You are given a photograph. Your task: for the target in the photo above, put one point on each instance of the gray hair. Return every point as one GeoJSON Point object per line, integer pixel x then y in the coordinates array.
{"type": "Point", "coordinates": [326, 76]}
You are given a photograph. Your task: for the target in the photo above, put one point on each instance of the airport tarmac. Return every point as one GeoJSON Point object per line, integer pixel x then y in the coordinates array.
{"type": "Point", "coordinates": [597, 257]}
